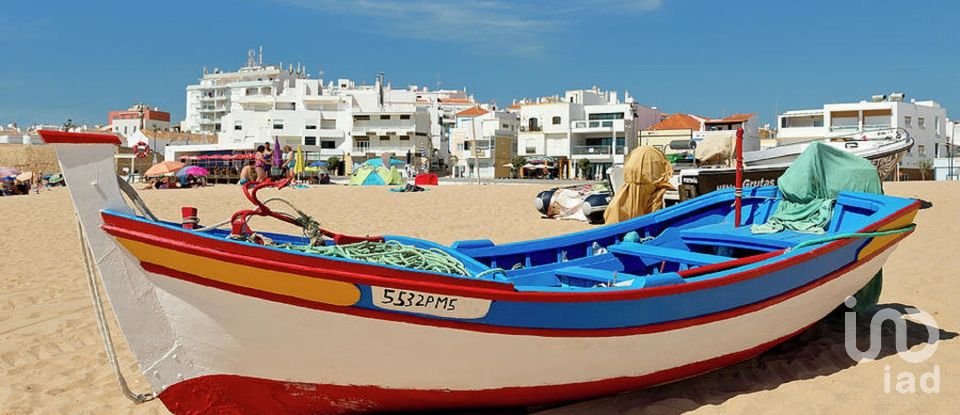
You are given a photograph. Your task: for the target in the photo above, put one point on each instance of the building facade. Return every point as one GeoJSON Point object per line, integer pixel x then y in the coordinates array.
{"type": "Point", "coordinates": [585, 124]}
{"type": "Point", "coordinates": [483, 142]}
{"type": "Point", "coordinates": [925, 121]}
{"type": "Point", "coordinates": [138, 117]}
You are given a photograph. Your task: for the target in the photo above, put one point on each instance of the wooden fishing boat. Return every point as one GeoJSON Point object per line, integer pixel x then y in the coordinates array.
{"type": "Point", "coordinates": [231, 326]}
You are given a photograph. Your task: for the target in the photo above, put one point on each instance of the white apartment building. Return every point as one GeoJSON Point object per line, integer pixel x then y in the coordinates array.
{"type": "Point", "coordinates": [211, 99]}
{"type": "Point", "coordinates": [925, 121]}
{"type": "Point", "coordinates": [483, 142]}
{"type": "Point", "coordinates": [363, 121]}
{"type": "Point", "coordinates": [584, 124]}
{"type": "Point", "coordinates": [442, 106]}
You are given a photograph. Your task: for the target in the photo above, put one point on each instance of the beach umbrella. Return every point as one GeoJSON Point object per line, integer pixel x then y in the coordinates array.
{"type": "Point", "coordinates": [277, 157]}
{"type": "Point", "coordinates": [300, 165]}
{"type": "Point", "coordinates": [8, 171]}
{"type": "Point", "coordinates": [165, 167]}
{"type": "Point", "coordinates": [193, 171]}
{"type": "Point", "coordinates": [25, 176]}
{"type": "Point", "coordinates": [56, 178]}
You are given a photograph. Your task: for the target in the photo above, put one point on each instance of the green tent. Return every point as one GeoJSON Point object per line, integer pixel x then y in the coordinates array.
{"type": "Point", "coordinates": [375, 176]}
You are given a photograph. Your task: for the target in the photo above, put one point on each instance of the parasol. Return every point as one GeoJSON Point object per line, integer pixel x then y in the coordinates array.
{"type": "Point", "coordinates": [163, 168]}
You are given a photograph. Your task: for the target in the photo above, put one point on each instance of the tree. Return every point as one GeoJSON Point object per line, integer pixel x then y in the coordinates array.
{"type": "Point", "coordinates": [924, 165]}
{"type": "Point", "coordinates": [518, 162]}
{"type": "Point", "coordinates": [332, 163]}
{"type": "Point", "coordinates": [583, 165]}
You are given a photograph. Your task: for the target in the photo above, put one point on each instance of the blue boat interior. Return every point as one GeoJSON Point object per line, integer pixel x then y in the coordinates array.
{"type": "Point", "coordinates": [689, 235]}
{"type": "Point", "coordinates": [685, 236]}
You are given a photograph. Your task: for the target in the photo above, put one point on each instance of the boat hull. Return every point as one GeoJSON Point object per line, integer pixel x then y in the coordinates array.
{"type": "Point", "coordinates": [311, 361]}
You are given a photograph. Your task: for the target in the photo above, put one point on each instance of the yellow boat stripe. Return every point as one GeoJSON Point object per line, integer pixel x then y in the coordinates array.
{"type": "Point", "coordinates": [881, 241]}
{"type": "Point", "coordinates": [277, 282]}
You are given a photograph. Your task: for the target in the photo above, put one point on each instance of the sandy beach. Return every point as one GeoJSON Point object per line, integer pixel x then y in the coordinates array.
{"type": "Point", "coordinates": [52, 359]}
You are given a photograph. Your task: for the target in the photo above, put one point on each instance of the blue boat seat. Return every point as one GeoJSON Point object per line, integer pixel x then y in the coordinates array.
{"type": "Point", "coordinates": [592, 274]}
{"type": "Point", "coordinates": [659, 253]}
{"type": "Point", "coordinates": [724, 234]}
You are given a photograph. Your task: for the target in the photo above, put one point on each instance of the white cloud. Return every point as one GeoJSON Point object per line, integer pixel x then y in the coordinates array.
{"type": "Point", "coordinates": [491, 25]}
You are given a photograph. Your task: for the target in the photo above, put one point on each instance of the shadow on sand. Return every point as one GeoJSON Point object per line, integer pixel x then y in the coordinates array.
{"type": "Point", "coordinates": [818, 351]}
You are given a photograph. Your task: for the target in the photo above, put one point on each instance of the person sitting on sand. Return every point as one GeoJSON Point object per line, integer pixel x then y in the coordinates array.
{"type": "Point", "coordinates": [248, 173]}
{"type": "Point", "coordinates": [261, 164]}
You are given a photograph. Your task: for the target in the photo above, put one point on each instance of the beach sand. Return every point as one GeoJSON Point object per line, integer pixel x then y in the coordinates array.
{"type": "Point", "coordinates": [52, 359]}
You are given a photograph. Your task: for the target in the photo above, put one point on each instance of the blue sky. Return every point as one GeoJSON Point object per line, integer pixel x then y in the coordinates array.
{"type": "Point", "coordinates": [74, 59]}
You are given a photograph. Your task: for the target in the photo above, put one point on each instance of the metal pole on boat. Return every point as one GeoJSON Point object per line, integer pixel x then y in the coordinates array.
{"type": "Point", "coordinates": [738, 192]}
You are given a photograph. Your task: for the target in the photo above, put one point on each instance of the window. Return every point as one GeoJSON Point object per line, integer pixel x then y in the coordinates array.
{"type": "Point", "coordinates": [384, 117]}
{"type": "Point", "coordinates": [936, 124]}
{"type": "Point", "coordinates": [361, 118]}
{"type": "Point", "coordinates": [311, 127]}
{"type": "Point", "coordinates": [421, 134]}
{"type": "Point", "coordinates": [606, 116]}
{"type": "Point", "coordinates": [921, 122]}
{"type": "Point", "coordinates": [384, 138]}
{"type": "Point", "coordinates": [237, 125]}
{"type": "Point", "coordinates": [505, 126]}
{"type": "Point", "coordinates": [404, 138]}
{"type": "Point", "coordinates": [404, 116]}
{"type": "Point", "coordinates": [277, 124]}
{"type": "Point", "coordinates": [531, 150]}
{"type": "Point", "coordinates": [362, 144]}
{"type": "Point", "coordinates": [309, 141]}
{"type": "Point", "coordinates": [908, 121]}
{"type": "Point", "coordinates": [533, 124]}
{"type": "Point", "coordinates": [328, 144]}
{"type": "Point", "coordinates": [556, 120]}
{"type": "Point", "coordinates": [921, 149]}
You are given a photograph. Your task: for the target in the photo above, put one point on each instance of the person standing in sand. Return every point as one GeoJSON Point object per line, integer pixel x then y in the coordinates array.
{"type": "Point", "coordinates": [289, 161]}
{"type": "Point", "coordinates": [260, 164]}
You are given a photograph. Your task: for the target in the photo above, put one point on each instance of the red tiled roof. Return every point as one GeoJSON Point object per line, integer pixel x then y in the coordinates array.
{"type": "Point", "coordinates": [733, 118]}
{"type": "Point", "coordinates": [677, 121]}
{"type": "Point", "coordinates": [472, 112]}
{"type": "Point", "coordinates": [514, 106]}
{"type": "Point", "coordinates": [456, 100]}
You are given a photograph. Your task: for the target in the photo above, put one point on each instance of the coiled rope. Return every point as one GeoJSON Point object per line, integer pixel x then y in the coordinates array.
{"type": "Point", "coordinates": [389, 253]}
{"type": "Point", "coordinates": [87, 255]}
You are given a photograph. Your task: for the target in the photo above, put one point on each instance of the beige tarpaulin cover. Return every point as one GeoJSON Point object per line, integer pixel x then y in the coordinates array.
{"type": "Point", "coordinates": [646, 177]}
{"type": "Point", "coordinates": [714, 150]}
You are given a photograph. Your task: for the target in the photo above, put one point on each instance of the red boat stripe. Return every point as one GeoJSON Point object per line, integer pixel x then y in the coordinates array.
{"type": "Point", "coordinates": [142, 231]}
{"type": "Point", "coordinates": [64, 137]}
{"type": "Point", "coordinates": [487, 328]}
{"type": "Point", "coordinates": [233, 394]}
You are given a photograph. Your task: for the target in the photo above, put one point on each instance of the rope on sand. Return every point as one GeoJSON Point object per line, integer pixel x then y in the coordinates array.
{"type": "Point", "coordinates": [136, 398]}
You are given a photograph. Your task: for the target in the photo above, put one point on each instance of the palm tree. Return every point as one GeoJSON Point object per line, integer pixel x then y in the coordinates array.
{"type": "Point", "coordinates": [583, 165]}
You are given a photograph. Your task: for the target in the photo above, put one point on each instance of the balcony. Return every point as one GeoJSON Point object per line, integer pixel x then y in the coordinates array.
{"type": "Point", "coordinates": [596, 151]}
{"type": "Point", "coordinates": [597, 126]}
{"type": "Point", "coordinates": [527, 128]}
{"type": "Point", "coordinates": [385, 130]}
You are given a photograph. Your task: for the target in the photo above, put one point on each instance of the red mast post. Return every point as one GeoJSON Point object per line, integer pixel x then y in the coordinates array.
{"type": "Point", "coordinates": [738, 192]}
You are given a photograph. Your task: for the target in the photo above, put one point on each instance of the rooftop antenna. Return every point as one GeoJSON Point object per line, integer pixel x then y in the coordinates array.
{"type": "Point", "coordinates": [438, 81]}
{"type": "Point", "coordinates": [250, 58]}
{"type": "Point", "coordinates": [261, 55]}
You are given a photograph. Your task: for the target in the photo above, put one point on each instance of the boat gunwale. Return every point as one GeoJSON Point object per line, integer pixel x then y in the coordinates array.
{"type": "Point", "coordinates": [477, 288]}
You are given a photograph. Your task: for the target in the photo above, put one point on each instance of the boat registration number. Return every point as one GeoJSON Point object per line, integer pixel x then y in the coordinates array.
{"type": "Point", "coordinates": [431, 304]}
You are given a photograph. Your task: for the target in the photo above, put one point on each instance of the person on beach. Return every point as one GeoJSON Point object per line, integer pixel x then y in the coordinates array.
{"type": "Point", "coordinates": [247, 173]}
{"type": "Point", "coordinates": [289, 161]}
{"type": "Point", "coordinates": [261, 163]}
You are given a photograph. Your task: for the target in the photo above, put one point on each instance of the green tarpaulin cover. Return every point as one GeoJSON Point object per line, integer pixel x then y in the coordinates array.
{"type": "Point", "coordinates": [810, 187]}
